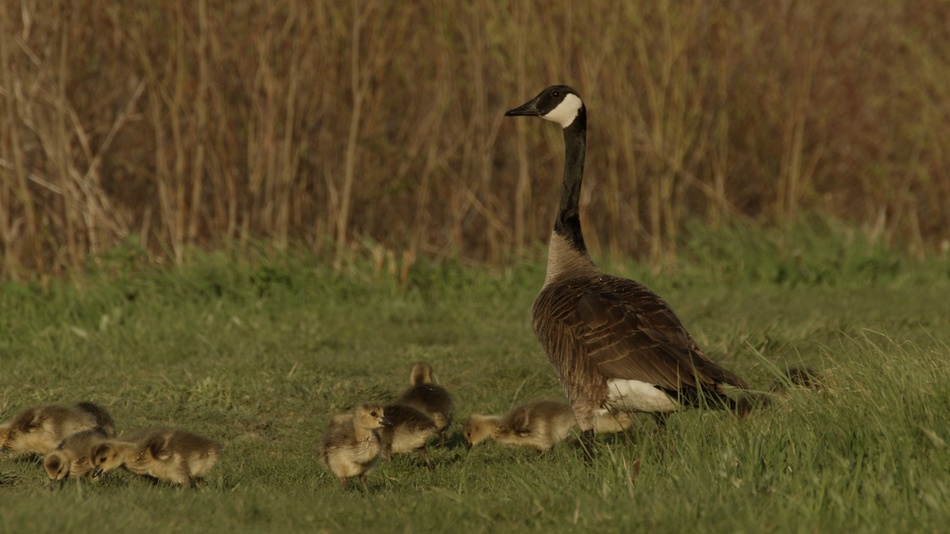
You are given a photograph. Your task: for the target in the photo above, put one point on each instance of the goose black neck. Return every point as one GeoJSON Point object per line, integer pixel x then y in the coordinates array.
{"type": "Point", "coordinates": [568, 223]}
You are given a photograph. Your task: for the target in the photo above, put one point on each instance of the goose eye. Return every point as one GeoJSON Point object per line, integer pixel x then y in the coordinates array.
{"type": "Point", "coordinates": [556, 93]}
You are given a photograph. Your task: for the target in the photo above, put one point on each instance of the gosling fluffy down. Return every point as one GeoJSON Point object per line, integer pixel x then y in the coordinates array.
{"type": "Point", "coordinates": [539, 425]}
{"type": "Point", "coordinates": [74, 456]}
{"type": "Point", "coordinates": [408, 432]}
{"type": "Point", "coordinates": [41, 429]}
{"type": "Point", "coordinates": [171, 455]}
{"type": "Point", "coordinates": [351, 445]}
{"type": "Point", "coordinates": [429, 398]}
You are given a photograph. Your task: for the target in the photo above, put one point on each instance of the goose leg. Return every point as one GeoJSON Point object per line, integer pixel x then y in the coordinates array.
{"type": "Point", "coordinates": [425, 456]}
{"type": "Point", "coordinates": [586, 443]}
{"type": "Point", "coordinates": [660, 418]}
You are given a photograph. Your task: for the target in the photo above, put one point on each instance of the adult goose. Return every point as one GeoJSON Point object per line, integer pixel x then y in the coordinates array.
{"type": "Point", "coordinates": [614, 344]}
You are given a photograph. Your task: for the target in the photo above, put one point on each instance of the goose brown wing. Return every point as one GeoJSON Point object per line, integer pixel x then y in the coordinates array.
{"type": "Point", "coordinates": [629, 342]}
{"type": "Point", "coordinates": [633, 334]}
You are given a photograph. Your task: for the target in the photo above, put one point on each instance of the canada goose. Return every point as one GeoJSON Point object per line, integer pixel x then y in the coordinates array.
{"type": "Point", "coordinates": [41, 429]}
{"type": "Point", "coordinates": [351, 446]}
{"type": "Point", "coordinates": [538, 424]}
{"type": "Point", "coordinates": [429, 398]}
{"type": "Point", "coordinates": [408, 431]}
{"type": "Point", "coordinates": [614, 344]}
{"type": "Point", "coordinates": [171, 455]}
{"type": "Point", "coordinates": [73, 457]}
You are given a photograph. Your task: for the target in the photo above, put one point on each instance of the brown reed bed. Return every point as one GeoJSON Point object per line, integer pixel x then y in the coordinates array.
{"type": "Point", "coordinates": [183, 124]}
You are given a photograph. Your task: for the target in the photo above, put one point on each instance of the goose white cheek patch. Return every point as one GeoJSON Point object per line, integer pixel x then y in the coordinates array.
{"type": "Point", "coordinates": [565, 112]}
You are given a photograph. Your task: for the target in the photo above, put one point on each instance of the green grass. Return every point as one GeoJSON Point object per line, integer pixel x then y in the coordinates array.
{"type": "Point", "coordinates": [259, 353]}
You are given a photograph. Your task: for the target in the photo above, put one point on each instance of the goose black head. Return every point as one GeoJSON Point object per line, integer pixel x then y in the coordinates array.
{"type": "Point", "coordinates": [558, 103]}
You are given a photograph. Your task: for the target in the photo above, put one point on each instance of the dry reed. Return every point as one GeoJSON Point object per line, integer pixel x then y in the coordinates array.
{"type": "Point", "coordinates": [337, 124]}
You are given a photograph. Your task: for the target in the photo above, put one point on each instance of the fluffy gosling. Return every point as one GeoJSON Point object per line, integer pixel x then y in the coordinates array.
{"type": "Point", "coordinates": [408, 431]}
{"type": "Point", "coordinates": [73, 457]}
{"type": "Point", "coordinates": [351, 445]}
{"type": "Point", "coordinates": [171, 455]}
{"type": "Point", "coordinates": [41, 429]}
{"type": "Point", "coordinates": [429, 398]}
{"type": "Point", "coordinates": [538, 425]}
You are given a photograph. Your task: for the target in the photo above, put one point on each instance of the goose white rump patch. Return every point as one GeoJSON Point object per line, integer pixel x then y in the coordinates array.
{"type": "Point", "coordinates": [639, 396]}
{"type": "Point", "coordinates": [565, 112]}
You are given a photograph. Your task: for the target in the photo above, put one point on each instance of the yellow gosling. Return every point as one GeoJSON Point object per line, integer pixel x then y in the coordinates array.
{"type": "Point", "coordinates": [171, 455]}
{"type": "Point", "coordinates": [73, 457]}
{"type": "Point", "coordinates": [41, 429]}
{"type": "Point", "coordinates": [351, 446]}
{"type": "Point", "coordinates": [408, 432]}
{"type": "Point", "coordinates": [538, 425]}
{"type": "Point", "coordinates": [429, 398]}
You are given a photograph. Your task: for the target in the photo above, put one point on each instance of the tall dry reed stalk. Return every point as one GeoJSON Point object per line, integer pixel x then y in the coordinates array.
{"type": "Point", "coordinates": [354, 126]}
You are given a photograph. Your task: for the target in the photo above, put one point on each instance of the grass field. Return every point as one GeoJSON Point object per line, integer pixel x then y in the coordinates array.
{"type": "Point", "coordinates": [259, 353]}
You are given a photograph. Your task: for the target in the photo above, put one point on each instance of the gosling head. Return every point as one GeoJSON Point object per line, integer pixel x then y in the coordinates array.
{"type": "Point", "coordinates": [371, 416]}
{"type": "Point", "coordinates": [57, 466]}
{"type": "Point", "coordinates": [478, 428]}
{"type": "Point", "coordinates": [105, 458]}
{"type": "Point", "coordinates": [421, 374]}
{"type": "Point", "coordinates": [340, 419]}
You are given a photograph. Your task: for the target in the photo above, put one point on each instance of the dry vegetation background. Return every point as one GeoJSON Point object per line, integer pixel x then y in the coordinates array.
{"type": "Point", "coordinates": [161, 126]}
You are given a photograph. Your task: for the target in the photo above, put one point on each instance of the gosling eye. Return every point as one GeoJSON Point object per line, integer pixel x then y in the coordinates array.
{"type": "Point", "coordinates": [373, 414]}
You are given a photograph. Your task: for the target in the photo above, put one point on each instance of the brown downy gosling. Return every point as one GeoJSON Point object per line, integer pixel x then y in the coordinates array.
{"type": "Point", "coordinates": [408, 431]}
{"type": "Point", "coordinates": [41, 429]}
{"type": "Point", "coordinates": [73, 457]}
{"type": "Point", "coordinates": [429, 398]}
{"type": "Point", "coordinates": [172, 455]}
{"type": "Point", "coordinates": [539, 425]}
{"type": "Point", "coordinates": [351, 445]}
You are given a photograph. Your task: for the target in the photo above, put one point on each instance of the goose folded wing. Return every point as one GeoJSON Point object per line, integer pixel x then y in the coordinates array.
{"type": "Point", "coordinates": [637, 341]}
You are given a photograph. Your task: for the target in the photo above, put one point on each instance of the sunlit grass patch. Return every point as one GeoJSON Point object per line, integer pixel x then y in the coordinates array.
{"type": "Point", "coordinates": [263, 370]}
